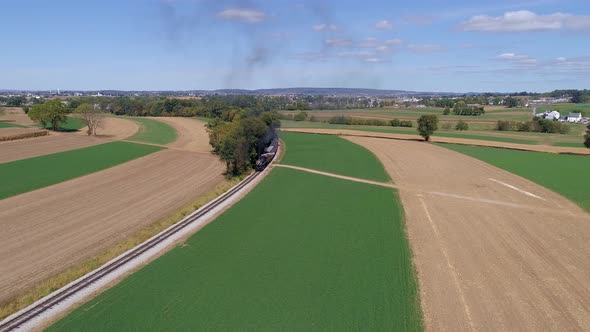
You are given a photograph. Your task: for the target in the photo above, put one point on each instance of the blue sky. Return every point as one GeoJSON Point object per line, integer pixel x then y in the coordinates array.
{"type": "Point", "coordinates": [423, 45]}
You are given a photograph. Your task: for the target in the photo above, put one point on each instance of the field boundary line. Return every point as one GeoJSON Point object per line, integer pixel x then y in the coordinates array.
{"type": "Point", "coordinates": [517, 189]}
{"type": "Point", "coordinates": [343, 177]}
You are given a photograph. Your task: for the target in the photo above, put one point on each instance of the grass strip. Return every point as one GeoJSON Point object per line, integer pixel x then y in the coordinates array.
{"type": "Point", "coordinates": [24, 175]}
{"type": "Point", "coordinates": [10, 125]}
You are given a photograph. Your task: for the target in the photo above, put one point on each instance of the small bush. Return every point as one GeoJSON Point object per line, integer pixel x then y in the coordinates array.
{"type": "Point", "coordinates": [301, 116]}
{"type": "Point", "coordinates": [407, 124]}
{"type": "Point", "coordinates": [447, 110]}
{"type": "Point", "coordinates": [446, 126]}
{"type": "Point", "coordinates": [462, 125]}
{"type": "Point", "coordinates": [504, 125]}
{"type": "Point", "coordinates": [524, 126]}
{"type": "Point", "coordinates": [395, 123]}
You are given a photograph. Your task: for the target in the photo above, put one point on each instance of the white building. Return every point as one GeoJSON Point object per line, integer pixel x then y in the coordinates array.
{"type": "Point", "coordinates": [574, 117]}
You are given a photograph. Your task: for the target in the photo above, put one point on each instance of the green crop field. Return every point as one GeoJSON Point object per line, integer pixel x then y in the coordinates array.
{"type": "Point", "coordinates": [24, 175]}
{"type": "Point", "coordinates": [301, 252]}
{"type": "Point", "coordinates": [332, 154]}
{"type": "Point", "coordinates": [565, 174]}
{"type": "Point", "coordinates": [153, 131]}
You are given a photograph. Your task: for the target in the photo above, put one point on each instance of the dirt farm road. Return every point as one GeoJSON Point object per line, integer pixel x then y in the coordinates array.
{"type": "Point", "coordinates": [483, 266]}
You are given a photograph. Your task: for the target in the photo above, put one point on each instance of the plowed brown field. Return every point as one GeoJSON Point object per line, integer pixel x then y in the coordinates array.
{"type": "Point", "coordinates": [489, 255]}
{"type": "Point", "coordinates": [47, 230]}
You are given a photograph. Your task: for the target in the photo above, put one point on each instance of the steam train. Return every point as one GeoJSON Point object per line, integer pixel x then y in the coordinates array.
{"type": "Point", "coordinates": [268, 155]}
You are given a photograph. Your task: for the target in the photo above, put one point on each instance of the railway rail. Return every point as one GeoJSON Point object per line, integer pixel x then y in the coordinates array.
{"type": "Point", "coordinates": [40, 307]}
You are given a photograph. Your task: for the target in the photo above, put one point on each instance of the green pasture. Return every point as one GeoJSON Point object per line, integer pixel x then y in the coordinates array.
{"type": "Point", "coordinates": [153, 131]}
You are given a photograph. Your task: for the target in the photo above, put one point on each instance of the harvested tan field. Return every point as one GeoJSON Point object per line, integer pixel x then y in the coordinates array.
{"type": "Point", "coordinates": [114, 129]}
{"type": "Point", "coordinates": [48, 230]}
{"type": "Point", "coordinates": [191, 134]}
{"type": "Point", "coordinates": [53, 143]}
{"type": "Point", "coordinates": [16, 115]}
{"type": "Point", "coordinates": [16, 133]}
{"type": "Point", "coordinates": [489, 256]}
{"type": "Point", "coordinates": [464, 141]}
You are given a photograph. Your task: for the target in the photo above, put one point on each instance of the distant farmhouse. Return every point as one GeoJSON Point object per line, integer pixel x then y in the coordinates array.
{"type": "Point", "coordinates": [574, 117]}
{"type": "Point", "coordinates": [556, 116]}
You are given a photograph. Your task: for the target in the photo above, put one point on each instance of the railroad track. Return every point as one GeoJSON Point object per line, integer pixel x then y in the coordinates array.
{"type": "Point", "coordinates": [17, 320]}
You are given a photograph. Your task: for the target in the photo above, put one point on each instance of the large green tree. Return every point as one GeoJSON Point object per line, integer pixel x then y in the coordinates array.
{"type": "Point", "coordinates": [427, 125]}
{"type": "Point", "coordinates": [52, 113]}
{"type": "Point", "coordinates": [239, 143]}
{"type": "Point", "coordinates": [511, 102]}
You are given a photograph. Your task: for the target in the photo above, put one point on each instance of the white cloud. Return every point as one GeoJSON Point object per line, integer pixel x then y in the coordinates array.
{"type": "Point", "coordinates": [384, 25]}
{"type": "Point", "coordinates": [378, 44]}
{"type": "Point", "coordinates": [524, 21]}
{"type": "Point", "coordinates": [375, 60]}
{"type": "Point", "coordinates": [355, 54]}
{"type": "Point", "coordinates": [339, 42]}
{"type": "Point", "coordinates": [511, 56]}
{"type": "Point", "coordinates": [427, 48]}
{"type": "Point", "coordinates": [517, 59]}
{"type": "Point", "coordinates": [245, 15]}
{"type": "Point", "coordinates": [325, 27]}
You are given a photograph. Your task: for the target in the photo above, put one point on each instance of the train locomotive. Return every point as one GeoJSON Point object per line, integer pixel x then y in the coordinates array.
{"type": "Point", "coordinates": [268, 155]}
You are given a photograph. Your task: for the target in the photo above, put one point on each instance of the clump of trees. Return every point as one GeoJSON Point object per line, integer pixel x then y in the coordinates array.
{"type": "Point", "coordinates": [350, 121]}
{"type": "Point", "coordinates": [587, 137]}
{"type": "Point", "coordinates": [427, 125]}
{"type": "Point", "coordinates": [92, 115]}
{"type": "Point", "coordinates": [537, 125]}
{"type": "Point", "coordinates": [52, 113]}
{"type": "Point", "coordinates": [401, 123]}
{"type": "Point", "coordinates": [240, 141]}
{"type": "Point", "coordinates": [14, 101]}
{"type": "Point", "coordinates": [447, 110]}
{"type": "Point", "coordinates": [461, 108]}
